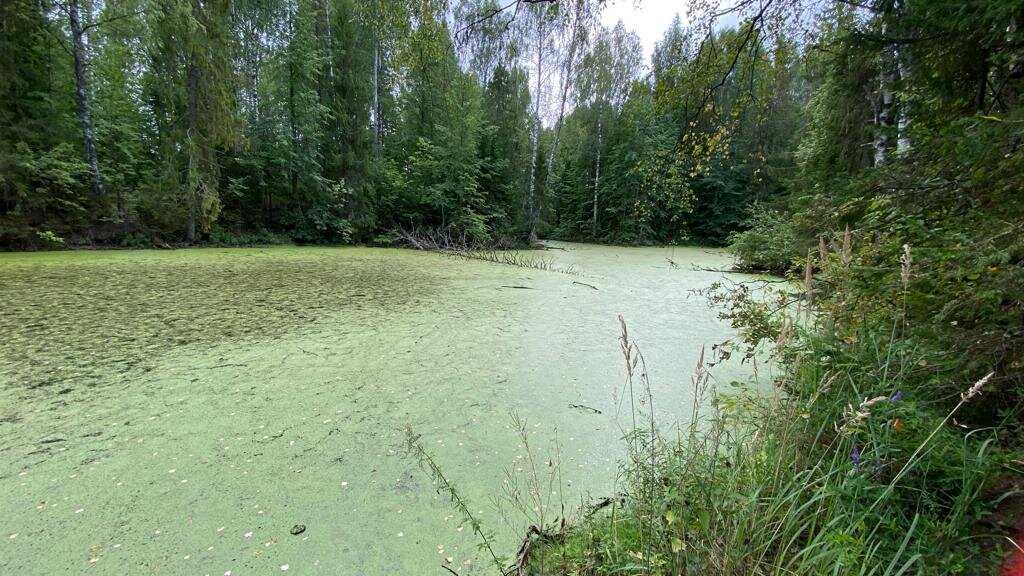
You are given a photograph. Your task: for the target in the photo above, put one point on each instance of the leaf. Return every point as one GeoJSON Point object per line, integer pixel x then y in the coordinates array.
{"type": "Point", "coordinates": [678, 545]}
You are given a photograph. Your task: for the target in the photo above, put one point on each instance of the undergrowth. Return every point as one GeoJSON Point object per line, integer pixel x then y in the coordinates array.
{"type": "Point", "coordinates": [851, 464]}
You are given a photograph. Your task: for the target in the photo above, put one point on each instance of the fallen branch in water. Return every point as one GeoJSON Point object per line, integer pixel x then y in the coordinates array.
{"type": "Point", "coordinates": [718, 270]}
{"type": "Point", "coordinates": [604, 503]}
{"type": "Point", "coordinates": [509, 258]}
{"type": "Point", "coordinates": [584, 408]}
{"type": "Point", "coordinates": [502, 252]}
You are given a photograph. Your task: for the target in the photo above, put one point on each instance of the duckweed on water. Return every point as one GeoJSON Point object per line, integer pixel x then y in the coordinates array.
{"type": "Point", "coordinates": [75, 316]}
{"type": "Point", "coordinates": [183, 411]}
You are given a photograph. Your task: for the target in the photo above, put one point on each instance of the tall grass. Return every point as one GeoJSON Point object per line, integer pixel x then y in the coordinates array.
{"type": "Point", "coordinates": [843, 470]}
{"type": "Point", "coordinates": [848, 466]}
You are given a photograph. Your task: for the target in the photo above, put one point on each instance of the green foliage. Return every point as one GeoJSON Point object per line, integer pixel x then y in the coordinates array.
{"type": "Point", "coordinates": [673, 173]}
{"type": "Point", "coordinates": [851, 466]}
{"type": "Point", "coordinates": [895, 420]}
{"type": "Point", "coordinates": [770, 242]}
{"type": "Point", "coordinates": [50, 239]}
{"type": "Point", "coordinates": [249, 115]}
{"type": "Point", "coordinates": [263, 238]}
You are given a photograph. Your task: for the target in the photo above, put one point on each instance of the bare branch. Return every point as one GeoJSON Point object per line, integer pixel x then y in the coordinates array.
{"type": "Point", "coordinates": [496, 11]}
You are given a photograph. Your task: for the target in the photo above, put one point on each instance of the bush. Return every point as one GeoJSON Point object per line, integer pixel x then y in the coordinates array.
{"type": "Point", "coordinates": [848, 468]}
{"type": "Point", "coordinates": [137, 240]}
{"type": "Point", "coordinates": [49, 239]}
{"type": "Point", "coordinates": [261, 238]}
{"type": "Point", "coordinates": [770, 243]}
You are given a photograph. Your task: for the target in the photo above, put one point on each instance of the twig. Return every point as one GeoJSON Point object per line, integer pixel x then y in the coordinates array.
{"type": "Point", "coordinates": [495, 11]}
{"type": "Point", "coordinates": [719, 270]}
{"type": "Point", "coordinates": [585, 284]}
{"type": "Point", "coordinates": [445, 486]}
{"type": "Point", "coordinates": [523, 555]}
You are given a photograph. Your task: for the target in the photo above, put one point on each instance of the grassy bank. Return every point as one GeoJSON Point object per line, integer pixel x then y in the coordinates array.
{"type": "Point", "coordinates": [875, 453]}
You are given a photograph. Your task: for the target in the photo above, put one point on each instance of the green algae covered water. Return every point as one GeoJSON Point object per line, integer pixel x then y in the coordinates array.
{"type": "Point", "coordinates": [180, 412]}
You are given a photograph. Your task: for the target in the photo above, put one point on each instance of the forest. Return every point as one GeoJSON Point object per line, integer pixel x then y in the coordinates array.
{"type": "Point", "coordinates": [865, 156]}
{"type": "Point", "coordinates": [129, 122]}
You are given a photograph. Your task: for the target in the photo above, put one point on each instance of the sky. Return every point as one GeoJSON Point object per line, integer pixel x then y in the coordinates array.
{"type": "Point", "coordinates": [650, 18]}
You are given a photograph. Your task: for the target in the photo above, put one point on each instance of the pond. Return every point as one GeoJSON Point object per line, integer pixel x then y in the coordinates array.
{"type": "Point", "coordinates": [182, 411]}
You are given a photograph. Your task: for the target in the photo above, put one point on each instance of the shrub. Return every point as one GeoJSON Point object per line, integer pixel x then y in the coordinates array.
{"type": "Point", "coordinates": [770, 243]}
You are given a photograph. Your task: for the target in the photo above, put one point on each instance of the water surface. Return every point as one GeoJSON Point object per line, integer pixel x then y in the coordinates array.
{"type": "Point", "coordinates": [178, 412]}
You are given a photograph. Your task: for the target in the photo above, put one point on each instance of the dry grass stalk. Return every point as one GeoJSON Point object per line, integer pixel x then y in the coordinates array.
{"type": "Point", "coordinates": [855, 416]}
{"type": "Point", "coordinates": [808, 283]}
{"type": "Point", "coordinates": [970, 393]}
{"type": "Point", "coordinates": [906, 262]}
{"type": "Point", "coordinates": [846, 255]}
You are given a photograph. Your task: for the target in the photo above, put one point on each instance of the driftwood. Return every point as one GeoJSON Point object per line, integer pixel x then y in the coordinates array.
{"type": "Point", "coordinates": [604, 503]}
{"type": "Point", "coordinates": [696, 268]}
{"type": "Point", "coordinates": [533, 534]}
{"type": "Point", "coordinates": [585, 284]}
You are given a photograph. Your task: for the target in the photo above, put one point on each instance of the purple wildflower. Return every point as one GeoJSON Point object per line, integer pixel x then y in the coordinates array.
{"type": "Point", "coordinates": [896, 397]}
{"type": "Point", "coordinates": [855, 456]}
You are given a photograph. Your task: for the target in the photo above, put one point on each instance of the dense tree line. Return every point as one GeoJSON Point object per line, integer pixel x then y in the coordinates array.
{"type": "Point", "coordinates": [127, 121]}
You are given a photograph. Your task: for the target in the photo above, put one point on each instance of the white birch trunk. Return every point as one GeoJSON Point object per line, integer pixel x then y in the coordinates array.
{"type": "Point", "coordinates": [83, 106]}
{"type": "Point", "coordinates": [597, 178]}
{"type": "Point", "coordinates": [532, 196]}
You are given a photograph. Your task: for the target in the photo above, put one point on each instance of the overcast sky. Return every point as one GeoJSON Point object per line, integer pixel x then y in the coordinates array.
{"type": "Point", "coordinates": [650, 18]}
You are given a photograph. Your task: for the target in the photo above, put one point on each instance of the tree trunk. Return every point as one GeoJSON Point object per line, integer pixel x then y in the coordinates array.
{"type": "Point", "coordinates": [901, 54]}
{"type": "Point", "coordinates": [532, 199]}
{"type": "Point", "coordinates": [597, 178]}
{"type": "Point", "coordinates": [293, 175]}
{"type": "Point", "coordinates": [892, 111]}
{"type": "Point", "coordinates": [325, 9]}
{"type": "Point", "coordinates": [82, 96]}
{"type": "Point", "coordinates": [1015, 68]}
{"type": "Point", "coordinates": [193, 181]}
{"type": "Point", "coordinates": [903, 143]}
{"type": "Point", "coordinates": [885, 107]}
{"type": "Point", "coordinates": [377, 129]}
{"type": "Point", "coordinates": [566, 81]}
